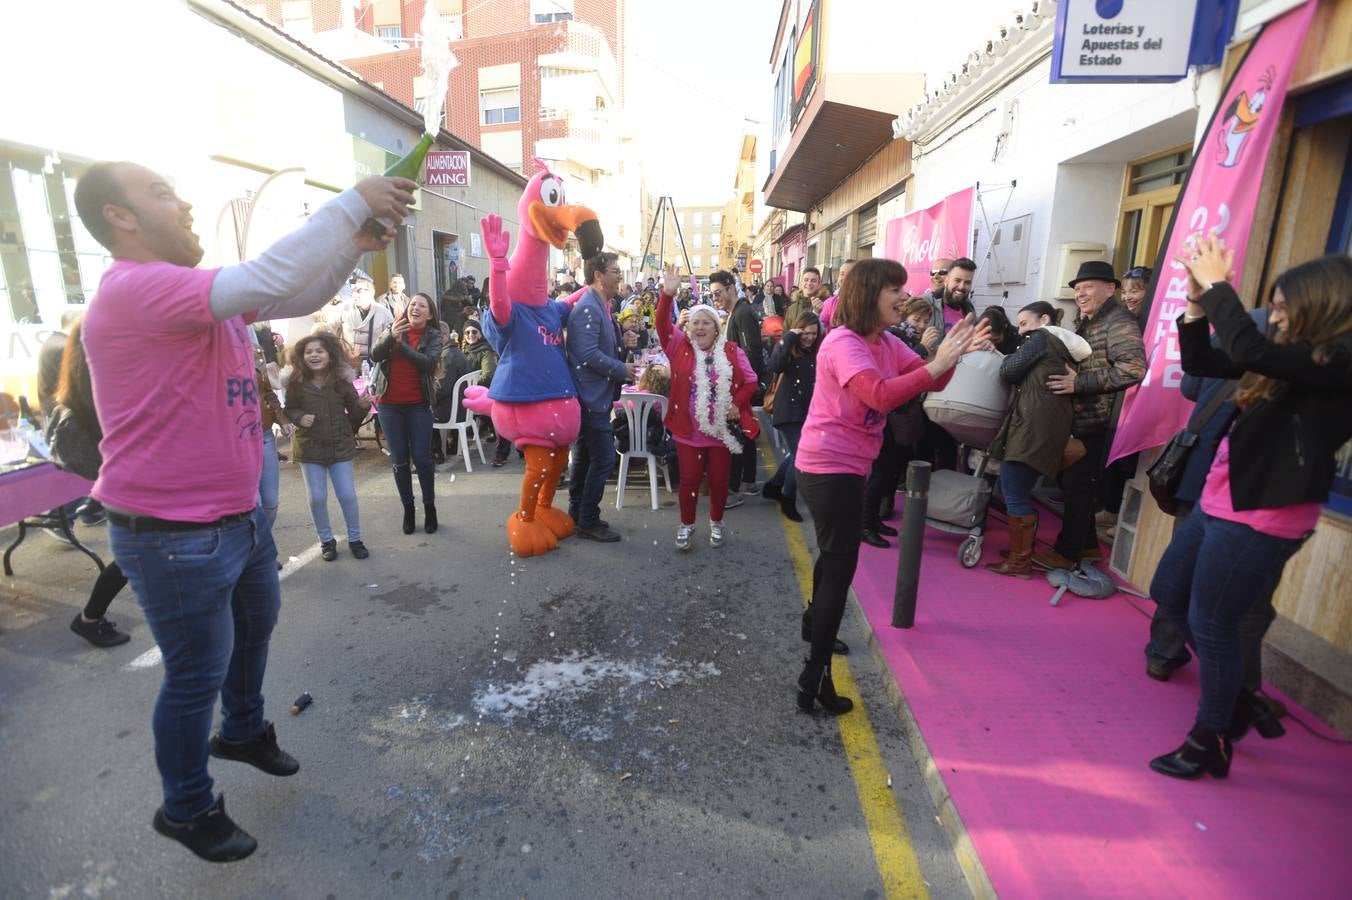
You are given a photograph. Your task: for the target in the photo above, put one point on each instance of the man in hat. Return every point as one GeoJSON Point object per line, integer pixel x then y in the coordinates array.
{"type": "Point", "coordinates": [1116, 363]}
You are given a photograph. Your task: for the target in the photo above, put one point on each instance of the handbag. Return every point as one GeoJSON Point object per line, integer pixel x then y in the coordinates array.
{"type": "Point", "coordinates": [1074, 452]}
{"type": "Point", "coordinates": [907, 423]}
{"type": "Point", "coordinates": [74, 449]}
{"type": "Point", "coordinates": [1166, 472]}
{"type": "Point", "coordinates": [768, 404]}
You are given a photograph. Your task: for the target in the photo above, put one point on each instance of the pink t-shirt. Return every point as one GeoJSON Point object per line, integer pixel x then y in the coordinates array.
{"type": "Point", "coordinates": [951, 316]}
{"type": "Point", "coordinates": [828, 312]}
{"type": "Point", "coordinates": [842, 433]}
{"type": "Point", "coordinates": [1288, 522]}
{"type": "Point", "coordinates": [175, 394]}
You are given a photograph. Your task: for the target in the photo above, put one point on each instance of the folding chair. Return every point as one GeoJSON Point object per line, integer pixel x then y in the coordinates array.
{"type": "Point", "coordinates": [636, 408]}
{"type": "Point", "coordinates": [463, 421]}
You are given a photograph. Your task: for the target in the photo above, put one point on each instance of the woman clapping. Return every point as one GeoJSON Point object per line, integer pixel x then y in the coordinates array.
{"type": "Point", "coordinates": [863, 373]}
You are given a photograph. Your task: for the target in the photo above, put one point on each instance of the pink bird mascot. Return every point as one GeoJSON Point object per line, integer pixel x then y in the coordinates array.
{"type": "Point", "coordinates": [533, 401]}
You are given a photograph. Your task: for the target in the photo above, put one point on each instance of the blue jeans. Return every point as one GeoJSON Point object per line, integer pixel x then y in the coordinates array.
{"type": "Point", "coordinates": [269, 483]}
{"type": "Point", "coordinates": [593, 461]}
{"type": "Point", "coordinates": [408, 432]}
{"type": "Point", "coordinates": [1016, 485]}
{"type": "Point", "coordinates": [1213, 572]}
{"type": "Point", "coordinates": [211, 597]}
{"type": "Point", "coordinates": [787, 475]}
{"type": "Point", "coordinates": [317, 477]}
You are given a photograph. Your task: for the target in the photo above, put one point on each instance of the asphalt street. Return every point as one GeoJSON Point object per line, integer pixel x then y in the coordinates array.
{"type": "Point", "coordinates": [605, 721]}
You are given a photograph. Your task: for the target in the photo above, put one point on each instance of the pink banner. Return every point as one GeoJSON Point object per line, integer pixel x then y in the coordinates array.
{"type": "Point", "coordinates": [943, 231]}
{"type": "Point", "coordinates": [1219, 197]}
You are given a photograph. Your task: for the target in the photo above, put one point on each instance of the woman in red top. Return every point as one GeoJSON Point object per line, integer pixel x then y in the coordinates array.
{"type": "Point", "coordinates": [407, 353]}
{"type": "Point", "coordinates": [712, 383]}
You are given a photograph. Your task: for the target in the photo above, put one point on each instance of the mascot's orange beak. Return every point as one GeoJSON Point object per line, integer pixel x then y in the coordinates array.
{"type": "Point", "coordinates": [553, 224]}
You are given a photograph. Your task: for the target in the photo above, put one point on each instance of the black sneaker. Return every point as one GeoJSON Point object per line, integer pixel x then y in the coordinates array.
{"type": "Point", "coordinates": [358, 549]}
{"type": "Point", "coordinates": [262, 752]}
{"type": "Point", "coordinates": [100, 633]}
{"type": "Point", "coordinates": [598, 532]}
{"type": "Point", "coordinates": [212, 835]}
{"type": "Point", "coordinates": [329, 550]}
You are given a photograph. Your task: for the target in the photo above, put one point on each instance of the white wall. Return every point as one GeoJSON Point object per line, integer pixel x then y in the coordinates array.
{"type": "Point", "coordinates": [1066, 153]}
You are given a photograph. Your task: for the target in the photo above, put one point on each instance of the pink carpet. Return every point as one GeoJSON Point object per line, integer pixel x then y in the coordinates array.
{"type": "Point", "coordinates": [1042, 722]}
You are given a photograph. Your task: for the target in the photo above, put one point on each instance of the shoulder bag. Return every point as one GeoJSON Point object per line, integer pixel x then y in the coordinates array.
{"type": "Point", "coordinates": [74, 449]}
{"type": "Point", "coordinates": [1166, 472]}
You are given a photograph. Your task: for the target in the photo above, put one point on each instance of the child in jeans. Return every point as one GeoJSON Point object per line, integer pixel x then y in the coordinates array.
{"type": "Point", "coordinates": [325, 407]}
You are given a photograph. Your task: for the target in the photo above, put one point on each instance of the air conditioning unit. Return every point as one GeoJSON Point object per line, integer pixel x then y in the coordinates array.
{"type": "Point", "coordinates": [1069, 256]}
{"type": "Point", "coordinates": [1008, 262]}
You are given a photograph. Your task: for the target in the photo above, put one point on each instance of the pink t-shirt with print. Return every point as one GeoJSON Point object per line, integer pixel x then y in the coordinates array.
{"type": "Point", "coordinates": [842, 434]}
{"type": "Point", "coordinates": [175, 395]}
{"type": "Point", "coordinates": [1289, 522]}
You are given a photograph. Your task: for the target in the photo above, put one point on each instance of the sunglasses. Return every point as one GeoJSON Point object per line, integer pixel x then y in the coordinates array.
{"type": "Point", "coordinates": [1138, 272]}
{"type": "Point", "coordinates": [937, 272]}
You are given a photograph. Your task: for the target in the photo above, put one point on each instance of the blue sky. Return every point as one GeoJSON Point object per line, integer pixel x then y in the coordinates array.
{"type": "Point", "coordinates": [700, 69]}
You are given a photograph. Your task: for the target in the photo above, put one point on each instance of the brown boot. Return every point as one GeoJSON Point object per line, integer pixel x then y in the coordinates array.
{"type": "Point", "coordinates": [1020, 561]}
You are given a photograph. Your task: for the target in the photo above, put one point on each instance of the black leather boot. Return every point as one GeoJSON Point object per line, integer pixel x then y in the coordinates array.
{"type": "Point", "coordinates": [840, 648]}
{"type": "Point", "coordinates": [1253, 711]}
{"type": "Point", "coordinates": [1204, 751]}
{"type": "Point", "coordinates": [815, 684]}
{"type": "Point", "coordinates": [430, 518]}
{"type": "Point", "coordinates": [409, 523]}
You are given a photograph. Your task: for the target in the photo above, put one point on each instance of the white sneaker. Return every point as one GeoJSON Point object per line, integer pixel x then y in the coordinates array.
{"type": "Point", "coordinates": [683, 536]}
{"type": "Point", "coordinates": [715, 534]}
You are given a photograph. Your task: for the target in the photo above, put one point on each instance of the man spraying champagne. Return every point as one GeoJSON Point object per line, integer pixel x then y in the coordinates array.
{"type": "Point", "coordinates": [184, 524]}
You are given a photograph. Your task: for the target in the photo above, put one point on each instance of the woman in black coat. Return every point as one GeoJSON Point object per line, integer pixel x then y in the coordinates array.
{"type": "Point", "coordinates": [1270, 476]}
{"type": "Point", "coordinates": [794, 363]}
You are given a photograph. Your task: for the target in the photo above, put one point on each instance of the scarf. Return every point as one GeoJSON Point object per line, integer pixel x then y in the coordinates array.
{"type": "Point", "coordinates": [713, 399]}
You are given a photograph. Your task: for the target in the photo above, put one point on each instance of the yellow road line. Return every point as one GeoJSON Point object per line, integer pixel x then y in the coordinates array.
{"type": "Point", "coordinates": [897, 861]}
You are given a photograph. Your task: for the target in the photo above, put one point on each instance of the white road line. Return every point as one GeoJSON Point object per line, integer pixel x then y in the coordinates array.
{"type": "Point", "coordinates": [153, 657]}
{"type": "Point", "coordinates": [146, 660]}
{"type": "Point", "coordinates": [309, 555]}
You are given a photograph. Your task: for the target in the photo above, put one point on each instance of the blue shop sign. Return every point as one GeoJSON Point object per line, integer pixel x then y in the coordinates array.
{"type": "Point", "coordinates": [1138, 40]}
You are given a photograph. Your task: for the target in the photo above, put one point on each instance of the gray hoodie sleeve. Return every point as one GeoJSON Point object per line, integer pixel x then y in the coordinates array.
{"type": "Point", "coordinates": [301, 272]}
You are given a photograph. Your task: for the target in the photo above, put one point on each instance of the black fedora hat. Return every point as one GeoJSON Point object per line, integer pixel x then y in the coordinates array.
{"type": "Point", "coordinates": [1095, 270]}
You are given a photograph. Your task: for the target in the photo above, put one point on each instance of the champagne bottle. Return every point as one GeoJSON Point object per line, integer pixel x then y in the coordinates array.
{"type": "Point", "coordinates": [410, 167]}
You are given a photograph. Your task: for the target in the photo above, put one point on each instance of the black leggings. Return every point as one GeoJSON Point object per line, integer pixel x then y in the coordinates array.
{"type": "Point", "coordinates": [110, 581]}
{"type": "Point", "coordinates": [836, 502]}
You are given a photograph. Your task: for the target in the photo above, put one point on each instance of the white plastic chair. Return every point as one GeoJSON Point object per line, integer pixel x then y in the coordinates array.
{"type": "Point", "coordinates": [636, 408]}
{"type": "Point", "coordinates": [463, 421]}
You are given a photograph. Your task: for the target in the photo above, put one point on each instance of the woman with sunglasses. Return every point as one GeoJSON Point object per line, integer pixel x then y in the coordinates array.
{"type": "Point", "coordinates": [1270, 476]}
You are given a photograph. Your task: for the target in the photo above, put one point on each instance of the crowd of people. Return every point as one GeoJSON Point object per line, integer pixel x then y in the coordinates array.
{"type": "Point", "coordinates": [841, 376]}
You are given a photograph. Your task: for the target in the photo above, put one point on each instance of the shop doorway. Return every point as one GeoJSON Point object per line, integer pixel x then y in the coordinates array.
{"type": "Point", "coordinates": [1149, 193]}
{"type": "Point", "coordinates": [447, 253]}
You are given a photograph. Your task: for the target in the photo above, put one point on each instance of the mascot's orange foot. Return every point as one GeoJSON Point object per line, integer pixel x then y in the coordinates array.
{"type": "Point", "coordinates": [556, 520]}
{"type": "Point", "coordinates": [530, 538]}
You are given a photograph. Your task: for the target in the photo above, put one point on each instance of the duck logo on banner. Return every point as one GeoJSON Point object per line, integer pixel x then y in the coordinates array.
{"type": "Point", "coordinates": [1241, 118]}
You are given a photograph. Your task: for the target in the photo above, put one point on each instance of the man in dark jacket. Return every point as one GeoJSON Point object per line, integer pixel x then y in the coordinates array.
{"type": "Point", "coordinates": [955, 300]}
{"type": "Point", "coordinates": [1116, 363]}
{"type": "Point", "coordinates": [594, 353]}
{"type": "Point", "coordinates": [744, 330]}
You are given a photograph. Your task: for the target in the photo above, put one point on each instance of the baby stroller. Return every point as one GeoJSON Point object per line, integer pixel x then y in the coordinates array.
{"type": "Point", "coordinates": [971, 409]}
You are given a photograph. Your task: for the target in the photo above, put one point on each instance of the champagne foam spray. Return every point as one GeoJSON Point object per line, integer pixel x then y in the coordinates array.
{"type": "Point", "coordinates": [437, 62]}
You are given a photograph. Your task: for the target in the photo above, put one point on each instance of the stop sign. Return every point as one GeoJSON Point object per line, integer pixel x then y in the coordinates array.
{"type": "Point", "coordinates": [756, 267]}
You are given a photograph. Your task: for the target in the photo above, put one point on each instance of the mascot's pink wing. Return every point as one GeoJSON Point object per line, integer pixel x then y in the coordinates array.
{"type": "Point", "coordinates": [477, 400]}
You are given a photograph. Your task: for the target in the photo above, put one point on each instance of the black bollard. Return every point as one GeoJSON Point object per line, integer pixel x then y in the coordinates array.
{"type": "Point", "coordinates": [912, 542]}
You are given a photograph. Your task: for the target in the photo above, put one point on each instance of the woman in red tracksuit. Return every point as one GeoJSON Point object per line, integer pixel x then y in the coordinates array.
{"type": "Point", "coordinates": [712, 383]}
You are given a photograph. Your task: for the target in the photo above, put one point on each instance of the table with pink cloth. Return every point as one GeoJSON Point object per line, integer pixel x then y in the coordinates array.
{"type": "Point", "coordinates": [33, 491]}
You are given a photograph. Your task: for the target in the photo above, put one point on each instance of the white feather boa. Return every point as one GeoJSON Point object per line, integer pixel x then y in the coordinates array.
{"type": "Point", "coordinates": [720, 393]}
